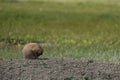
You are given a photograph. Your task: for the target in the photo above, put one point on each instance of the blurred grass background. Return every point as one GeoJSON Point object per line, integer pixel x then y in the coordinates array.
{"type": "Point", "coordinates": [77, 28]}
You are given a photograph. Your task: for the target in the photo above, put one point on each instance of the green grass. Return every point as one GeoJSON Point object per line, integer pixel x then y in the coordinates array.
{"type": "Point", "coordinates": [84, 29]}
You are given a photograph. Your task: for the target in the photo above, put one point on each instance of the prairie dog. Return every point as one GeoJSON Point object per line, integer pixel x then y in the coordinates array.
{"type": "Point", "coordinates": [32, 51]}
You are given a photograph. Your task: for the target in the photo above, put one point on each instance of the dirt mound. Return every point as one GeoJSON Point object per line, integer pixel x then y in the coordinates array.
{"type": "Point", "coordinates": [58, 69]}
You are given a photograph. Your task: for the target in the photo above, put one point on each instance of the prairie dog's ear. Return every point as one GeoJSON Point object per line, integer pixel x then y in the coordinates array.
{"type": "Point", "coordinates": [40, 45]}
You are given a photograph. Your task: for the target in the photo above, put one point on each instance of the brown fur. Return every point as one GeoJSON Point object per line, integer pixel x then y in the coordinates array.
{"type": "Point", "coordinates": [32, 51]}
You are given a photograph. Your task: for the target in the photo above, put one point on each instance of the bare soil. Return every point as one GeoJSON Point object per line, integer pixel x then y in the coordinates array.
{"type": "Point", "coordinates": [58, 69]}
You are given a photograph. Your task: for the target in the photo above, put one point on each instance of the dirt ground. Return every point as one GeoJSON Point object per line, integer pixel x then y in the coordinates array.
{"type": "Point", "coordinates": [58, 69]}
